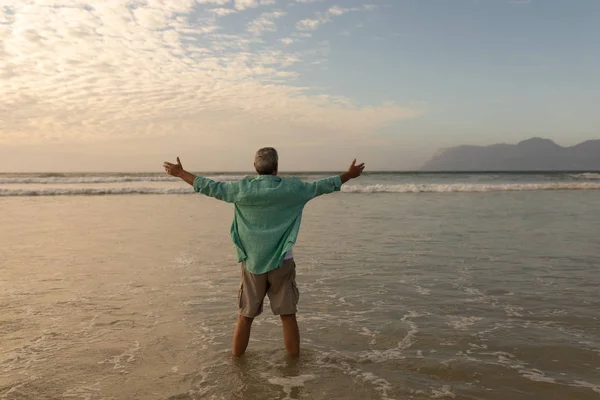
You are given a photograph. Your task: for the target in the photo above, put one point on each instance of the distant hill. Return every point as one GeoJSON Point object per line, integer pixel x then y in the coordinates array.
{"type": "Point", "coordinates": [534, 154]}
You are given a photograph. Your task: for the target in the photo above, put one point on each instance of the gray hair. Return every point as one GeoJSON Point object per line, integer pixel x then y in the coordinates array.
{"type": "Point", "coordinates": [266, 160]}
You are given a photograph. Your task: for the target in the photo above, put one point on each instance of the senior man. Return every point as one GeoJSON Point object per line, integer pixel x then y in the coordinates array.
{"type": "Point", "coordinates": [268, 212]}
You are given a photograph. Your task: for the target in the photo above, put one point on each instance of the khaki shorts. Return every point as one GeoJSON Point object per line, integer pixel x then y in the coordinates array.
{"type": "Point", "coordinates": [279, 284]}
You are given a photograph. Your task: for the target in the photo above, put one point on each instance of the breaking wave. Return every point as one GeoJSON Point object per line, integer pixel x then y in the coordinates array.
{"type": "Point", "coordinates": [470, 188]}
{"type": "Point", "coordinates": [403, 188]}
{"type": "Point", "coordinates": [45, 180]}
{"type": "Point", "coordinates": [93, 191]}
{"type": "Point", "coordinates": [587, 175]}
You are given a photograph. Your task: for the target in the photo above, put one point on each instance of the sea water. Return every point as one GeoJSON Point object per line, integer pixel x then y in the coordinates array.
{"type": "Point", "coordinates": [412, 286]}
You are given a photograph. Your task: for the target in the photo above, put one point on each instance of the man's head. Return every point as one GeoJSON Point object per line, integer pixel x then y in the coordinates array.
{"type": "Point", "coordinates": [266, 161]}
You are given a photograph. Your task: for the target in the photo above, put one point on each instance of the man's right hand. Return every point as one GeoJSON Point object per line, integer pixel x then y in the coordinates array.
{"type": "Point", "coordinates": [354, 171]}
{"type": "Point", "coordinates": [178, 171]}
{"type": "Point", "coordinates": [173, 169]}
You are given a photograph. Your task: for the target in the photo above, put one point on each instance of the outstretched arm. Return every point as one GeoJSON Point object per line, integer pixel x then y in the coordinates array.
{"type": "Point", "coordinates": [226, 191]}
{"type": "Point", "coordinates": [332, 184]}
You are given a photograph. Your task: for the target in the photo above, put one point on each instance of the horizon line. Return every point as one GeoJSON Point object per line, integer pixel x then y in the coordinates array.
{"type": "Point", "coordinates": [248, 173]}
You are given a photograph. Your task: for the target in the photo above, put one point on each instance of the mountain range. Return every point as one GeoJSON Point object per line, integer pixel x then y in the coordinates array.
{"type": "Point", "coordinates": [534, 154]}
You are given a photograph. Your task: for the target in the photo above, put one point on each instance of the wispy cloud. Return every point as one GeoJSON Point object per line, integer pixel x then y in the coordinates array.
{"type": "Point", "coordinates": [311, 24]}
{"type": "Point", "coordinates": [217, 2]}
{"type": "Point", "coordinates": [76, 70]}
{"type": "Point", "coordinates": [244, 4]}
{"type": "Point", "coordinates": [222, 11]}
{"type": "Point", "coordinates": [337, 10]}
{"type": "Point", "coordinates": [265, 23]}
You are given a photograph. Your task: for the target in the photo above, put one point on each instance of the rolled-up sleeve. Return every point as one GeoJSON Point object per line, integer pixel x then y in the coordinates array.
{"type": "Point", "coordinates": [321, 187]}
{"type": "Point", "coordinates": [225, 191]}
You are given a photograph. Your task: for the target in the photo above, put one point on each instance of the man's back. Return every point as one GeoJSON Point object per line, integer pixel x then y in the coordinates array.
{"type": "Point", "coordinates": [268, 212]}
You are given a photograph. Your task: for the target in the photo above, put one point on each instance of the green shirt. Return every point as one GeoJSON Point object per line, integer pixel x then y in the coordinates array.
{"type": "Point", "coordinates": [268, 212]}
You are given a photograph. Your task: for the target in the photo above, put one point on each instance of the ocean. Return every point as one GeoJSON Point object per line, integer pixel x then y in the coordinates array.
{"type": "Point", "coordinates": [412, 286]}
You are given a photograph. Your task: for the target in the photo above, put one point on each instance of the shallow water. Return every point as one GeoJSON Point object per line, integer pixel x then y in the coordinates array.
{"type": "Point", "coordinates": [403, 296]}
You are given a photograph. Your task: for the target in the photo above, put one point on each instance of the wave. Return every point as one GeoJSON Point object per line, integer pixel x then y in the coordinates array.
{"type": "Point", "coordinates": [92, 191]}
{"type": "Point", "coordinates": [61, 179]}
{"type": "Point", "coordinates": [406, 188]}
{"type": "Point", "coordinates": [48, 180]}
{"type": "Point", "coordinates": [470, 188]}
{"type": "Point", "coordinates": [587, 175]}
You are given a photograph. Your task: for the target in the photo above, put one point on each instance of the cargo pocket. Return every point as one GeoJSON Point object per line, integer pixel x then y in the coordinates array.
{"type": "Point", "coordinates": [296, 293]}
{"type": "Point", "coordinates": [295, 290]}
{"type": "Point", "coordinates": [241, 296]}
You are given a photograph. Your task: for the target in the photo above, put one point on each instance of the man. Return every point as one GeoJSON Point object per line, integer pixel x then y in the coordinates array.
{"type": "Point", "coordinates": [268, 212]}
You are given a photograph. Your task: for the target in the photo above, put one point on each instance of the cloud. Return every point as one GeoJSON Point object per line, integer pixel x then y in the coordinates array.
{"type": "Point", "coordinates": [337, 10]}
{"type": "Point", "coordinates": [265, 23]}
{"type": "Point", "coordinates": [312, 24]}
{"type": "Point", "coordinates": [221, 12]}
{"type": "Point", "coordinates": [309, 24]}
{"type": "Point", "coordinates": [72, 70]}
{"type": "Point", "coordinates": [244, 4]}
{"type": "Point", "coordinates": [215, 2]}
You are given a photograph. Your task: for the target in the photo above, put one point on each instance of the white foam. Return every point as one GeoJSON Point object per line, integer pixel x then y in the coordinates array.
{"type": "Point", "coordinates": [342, 300]}
{"type": "Point", "coordinates": [367, 332]}
{"type": "Point", "coordinates": [478, 346]}
{"type": "Point", "coordinates": [343, 364]}
{"type": "Point", "coordinates": [93, 191]}
{"type": "Point", "coordinates": [584, 384]}
{"type": "Point", "coordinates": [22, 358]}
{"type": "Point", "coordinates": [205, 336]}
{"type": "Point", "coordinates": [365, 189]}
{"type": "Point", "coordinates": [128, 356]}
{"type": "Point", "coordinates": [83, 392]}
{"type": "Point", "coordinates": [396, 353]}
{"type": "Point", "coordinates": [536, 376]}
{"type": "Point", "coordinates": [470, 188]}
{"type": "Point", "coordinates": [587, 175]}
{"type": "Point", "coordinates": [443, 392]}
{"type": "Point", "coordinates": [105, 179]}
{"type": "Point", "coordinates": [185, 260]}
{"type": "Point", "coordinates": [381, 385]}
{"type": "Point", "coordinates": [289, 383]}
{"type": "Point", "coordinates": [513, 311]}
{"type": "Point", "coordinates": [462, 323]}
{"type": "Point", "coordinates": [424, 292]}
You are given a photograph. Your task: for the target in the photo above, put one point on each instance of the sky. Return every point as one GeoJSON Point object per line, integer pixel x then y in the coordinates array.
{"type": "Point", "coordinates": [120, 85]}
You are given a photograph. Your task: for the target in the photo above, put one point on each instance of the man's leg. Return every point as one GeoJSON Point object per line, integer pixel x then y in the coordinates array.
{"type": "Point", "coordinates": [252, 292]}
{"type": "Point", "coordinates": [241, 335]}
{"type": "Point", "coordinates": [284, 297]}
{"type": "Point", "coordinates": [291, 335]}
